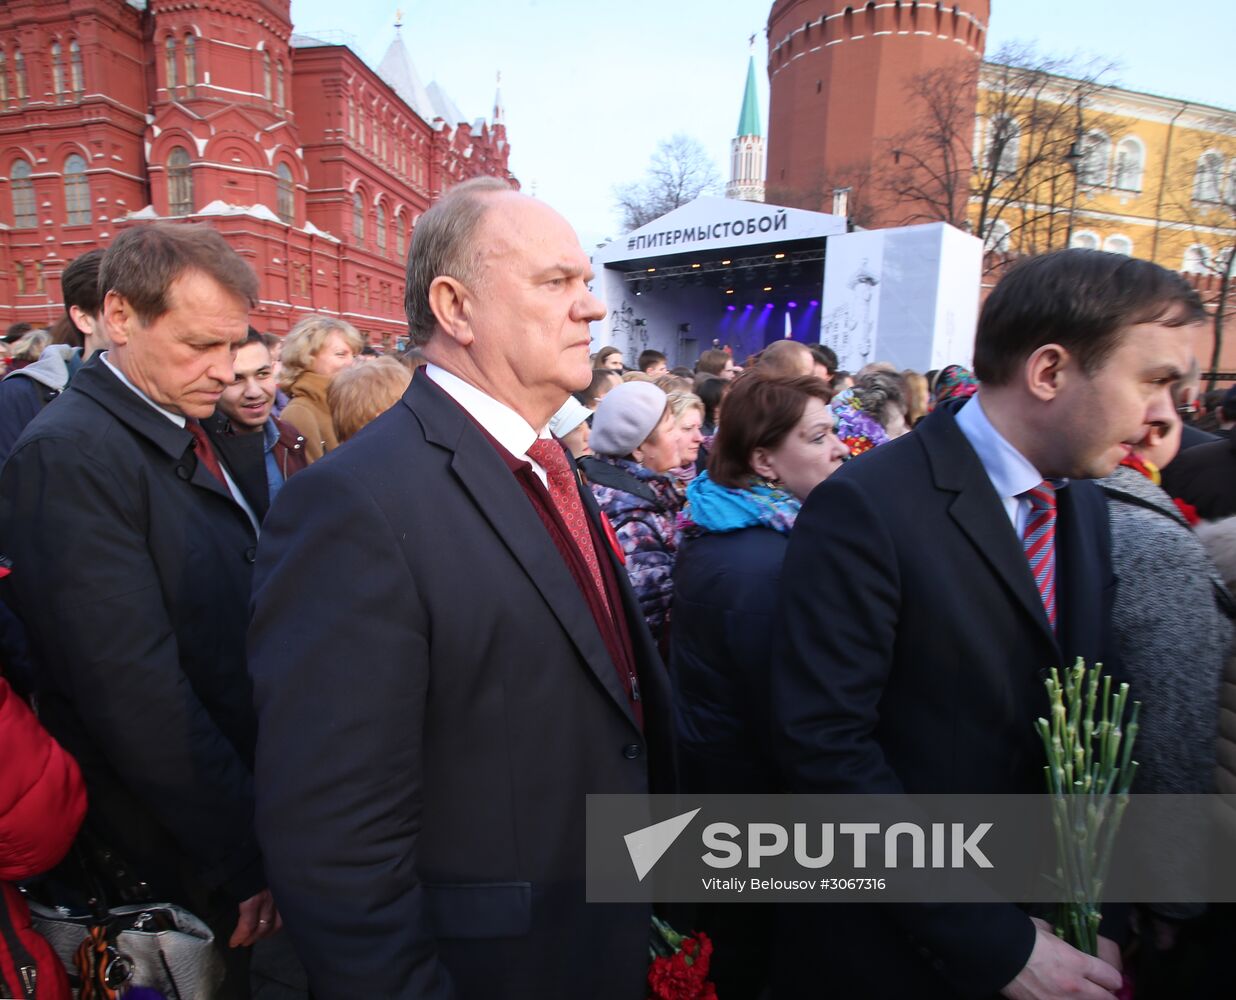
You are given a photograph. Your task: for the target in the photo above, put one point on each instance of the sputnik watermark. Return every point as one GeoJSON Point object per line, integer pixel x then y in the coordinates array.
{"type": "Point", "coordinates": [950, 844]}
{"type": "Point", "coordinates": [895, 848]}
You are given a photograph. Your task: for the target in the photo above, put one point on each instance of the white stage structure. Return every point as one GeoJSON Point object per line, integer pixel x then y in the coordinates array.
{"type": "Point", "coordinates": [738, 275]}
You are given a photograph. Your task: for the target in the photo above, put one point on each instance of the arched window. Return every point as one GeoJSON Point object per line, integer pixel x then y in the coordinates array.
{"type": "Point", "coordinates": [1196, 260]}
{"type": "Point", "coordinates": [1119, 244]}
{"type": "Point", "coordinates": [75, 68]}
{"type": "Point", "coordinates": [1207, 179]}
{"type": "Point", "coordinates": [379, 233]}
{"type": "Point", "coordinates": [23, 195]}
{"type": "Point", "coordinates": [170, 61]}
{"type": "Point", "coordinates": [287, 194]}
{"type": "Point", "coordinates": [39, 287]}
{"type": "Point", "coordinates": [1130, 160]}
{"type": "Point", "coordinates": [358, 215]}
{"type": "Point", "coordinates": [1096, 154]}
{"type": "Point", "coordinates": [19, 276]}
{"type": "Point", "coordinates": [1084, 239]}
{"type": "Point", "coordinates": [76, 191]}
{"type": "Point", "coordinates": [266, 74]}
{"type": "Point", "coordinates": [4, 79]}
{"type": "Point", "coordinates": [57, 67]}
{"type": "Point", "coordinates": [996, 237]}
{"type": "Point", "coordinates": [19, 75]}
{"type": "Point", "coordinates": [179, 182]}
{"type": "Point", "coordinates": [1003, 145]}
{"type": "Point", "coordinates": [279, 84]}
{"type": "Point", "coordinates": [401, 234]}
{"type": "Point", "coordinates": [191, 64]}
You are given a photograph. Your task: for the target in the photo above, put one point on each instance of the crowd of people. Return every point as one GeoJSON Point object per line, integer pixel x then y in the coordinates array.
{"type": "Point", "coordinates": [329, 649]}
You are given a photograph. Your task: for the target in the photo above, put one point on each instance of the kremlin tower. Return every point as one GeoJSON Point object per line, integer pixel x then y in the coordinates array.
{"type": "Point", "coordinates": [838, 75]}
{"type": "Point", "coordinates": [747, 147]}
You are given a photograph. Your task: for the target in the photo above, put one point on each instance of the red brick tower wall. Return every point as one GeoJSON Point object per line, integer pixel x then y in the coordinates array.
{"type": "Point", "coordinates": [837, 88]}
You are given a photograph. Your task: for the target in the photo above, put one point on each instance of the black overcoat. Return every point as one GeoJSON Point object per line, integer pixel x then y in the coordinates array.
{"type": "Point", "coordinates": [911, 656]}
{"type": "Point", "coordinates": [131, 571]}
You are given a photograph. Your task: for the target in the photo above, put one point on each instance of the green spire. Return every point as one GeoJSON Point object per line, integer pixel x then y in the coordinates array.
{"type": "Point", "coordinates": [749, 119]}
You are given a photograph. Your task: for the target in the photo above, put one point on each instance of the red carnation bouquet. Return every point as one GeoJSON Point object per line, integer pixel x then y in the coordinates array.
{"type": "Point", "coordinates": [679, 969]}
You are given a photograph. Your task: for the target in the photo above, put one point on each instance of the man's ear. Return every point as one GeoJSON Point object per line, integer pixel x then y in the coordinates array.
{"type": "Point", "coordinates": [81, 321]}
{"type": "Point", "coordinates": [448, 299]}
{"type": "Point", "coordinates": [1047, 370]}
{"type": "Point", "coordinates": [118, 318]}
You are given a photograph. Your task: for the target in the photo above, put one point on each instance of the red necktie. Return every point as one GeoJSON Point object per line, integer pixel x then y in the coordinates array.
{"type": "Point", "coordinates": [1039, 542]}
{"type": "Point", "coordinates": [563, 491]}
{"type": "Point", "coordinates": [205, 451]}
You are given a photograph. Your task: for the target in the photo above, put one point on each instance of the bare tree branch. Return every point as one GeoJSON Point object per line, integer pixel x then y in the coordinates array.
{"type": "Point", "coordinates": [680, 171]}
{"type": "Point", "coordinates": [1202, 197]}
{"type": "Point", "coordinates": [1012, 172]}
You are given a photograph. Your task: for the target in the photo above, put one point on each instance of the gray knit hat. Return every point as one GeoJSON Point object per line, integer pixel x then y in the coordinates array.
{"type": "Point", "coordinates": [625, 417]}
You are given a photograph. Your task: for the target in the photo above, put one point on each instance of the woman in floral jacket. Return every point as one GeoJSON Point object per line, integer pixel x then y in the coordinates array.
{"type": "Point", "coordinates": [634, 444]}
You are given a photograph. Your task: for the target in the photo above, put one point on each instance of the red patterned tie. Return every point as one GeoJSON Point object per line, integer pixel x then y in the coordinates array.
{"type": "Point", "coordinates": [1039, 542]}
{"type": "Point", "coordinates": [563, 491]}
{"type": "Point", "coordinates": [205, 451]}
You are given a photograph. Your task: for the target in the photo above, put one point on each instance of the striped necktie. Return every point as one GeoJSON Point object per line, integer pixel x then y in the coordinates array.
{"type": "Point", "coordinates": [1039, 543]}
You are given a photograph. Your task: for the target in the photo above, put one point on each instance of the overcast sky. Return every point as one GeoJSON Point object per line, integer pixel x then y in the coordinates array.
{"type": "Point", "coordinates": [590, 88]}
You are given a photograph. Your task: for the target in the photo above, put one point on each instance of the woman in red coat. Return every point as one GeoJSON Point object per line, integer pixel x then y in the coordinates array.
{"type": "Point", "coordinates": [42, 803]}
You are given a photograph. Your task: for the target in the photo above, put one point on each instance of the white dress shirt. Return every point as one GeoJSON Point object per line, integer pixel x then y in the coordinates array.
{"type": "Point", "coordinates": [502, 423]}
{"type": "Point", "coordinates": [1008, 469]}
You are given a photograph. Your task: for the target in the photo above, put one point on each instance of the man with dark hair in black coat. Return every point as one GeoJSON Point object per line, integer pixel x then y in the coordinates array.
{"type": "Point", "coordinates": [24, 392]}
{"type": "Point", "coordinates": [928, 585]}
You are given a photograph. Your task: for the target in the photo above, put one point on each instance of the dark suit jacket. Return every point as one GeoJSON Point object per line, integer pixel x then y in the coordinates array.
{"type": "Point", "coordinates": [131, 571]}
{"type": "Point", "coordinates": [913, 654]}
{"type": "Point", "coordinates": [1205, 476]}
{"type": "Point", "coordinates": [435, 701]}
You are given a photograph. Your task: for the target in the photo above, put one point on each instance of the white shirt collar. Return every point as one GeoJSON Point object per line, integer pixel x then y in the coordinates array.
{"type": "Point", "coordinates": [1008, 469]}
{"type": "Point", "coordinates": [177, 418]}
{"type": "Point", "coordinates": [502, 423]}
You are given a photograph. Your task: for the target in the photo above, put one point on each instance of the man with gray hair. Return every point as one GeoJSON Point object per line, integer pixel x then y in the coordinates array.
{"type": "Point", "coordinates": [132, 547]}
{"type": "Point", "coordinates": [430, 721]}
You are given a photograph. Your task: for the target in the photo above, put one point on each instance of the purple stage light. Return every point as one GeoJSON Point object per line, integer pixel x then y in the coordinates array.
{"type": "Point", "coordinates": [791, 305]}
{"type": "Point", "coordinates": [730, 308]}
{"type": "Point", "coordinates": [815, 302]}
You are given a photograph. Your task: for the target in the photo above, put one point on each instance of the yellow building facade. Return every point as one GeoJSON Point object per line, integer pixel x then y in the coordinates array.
{"type": "Point", "coordinates": [1105, 168]}
{"type": "Point", "coordinates": [1061, 162]}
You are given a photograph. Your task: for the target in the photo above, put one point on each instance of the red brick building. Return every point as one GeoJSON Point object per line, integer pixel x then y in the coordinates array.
{"type": "Point", "coordinates": [837, 75]}
{"type": "Point", "coordinates": [314, 166]}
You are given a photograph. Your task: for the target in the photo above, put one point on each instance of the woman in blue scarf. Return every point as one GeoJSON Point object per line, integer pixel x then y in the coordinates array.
{"type": "Point", "coordinates": [776, 444]}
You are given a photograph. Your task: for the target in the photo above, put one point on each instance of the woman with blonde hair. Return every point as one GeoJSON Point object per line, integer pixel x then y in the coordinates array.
{"type": "Point", "coordinates": [688, 411]}
{"type": "Point", "coordinates": [362, 393]}
{"type": "Point", "coordinates": [314, 351]}
{"type": "Point", "coordinates": [28, 349]}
